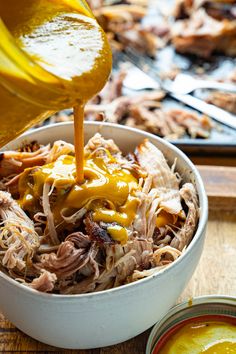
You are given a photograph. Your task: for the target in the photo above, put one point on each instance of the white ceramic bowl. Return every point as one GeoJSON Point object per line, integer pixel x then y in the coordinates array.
{"type": "Point", "coordinates": [111, 316]}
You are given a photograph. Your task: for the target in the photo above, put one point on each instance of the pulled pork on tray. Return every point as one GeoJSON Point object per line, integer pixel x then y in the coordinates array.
{"type": "Point", "coordinates": [143, 111]}
{"type": "Point", "coordinates": [225, 100]}
{"type": "Point", "coordinates": [204, 27]}
{"type": "Point", "coordinates": [130, 218]}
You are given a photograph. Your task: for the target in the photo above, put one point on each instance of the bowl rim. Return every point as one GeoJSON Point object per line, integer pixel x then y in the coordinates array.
{"type": "Point", "coordinates": [198, 234]}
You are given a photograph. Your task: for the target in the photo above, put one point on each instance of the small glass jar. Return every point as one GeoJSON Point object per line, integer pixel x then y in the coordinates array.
{"type": "Point", "coordinates": [211, 305]}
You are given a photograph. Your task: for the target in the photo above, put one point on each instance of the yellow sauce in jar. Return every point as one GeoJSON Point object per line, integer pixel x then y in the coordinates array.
{"type": "Point", "coordinates": [202, 335]}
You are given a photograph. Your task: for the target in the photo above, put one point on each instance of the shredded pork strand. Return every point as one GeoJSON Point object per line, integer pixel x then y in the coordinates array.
{"type": "Point", "coordinates": [45, 282]}
{"type": "Point", "coordinates": [18, 239]}
{"type": "Point", "coordinates": [75, 254]}
{"type": "Point", "coordinates": [72, 255]}
{"type": "Point", "coordinates": [165, 182]}
{"type": "Point", "coordinates": [52, 233]}
{"type": "Point", "coordinates": [184, 235]}
{"type": "Point", "coordinates": [14, 162]}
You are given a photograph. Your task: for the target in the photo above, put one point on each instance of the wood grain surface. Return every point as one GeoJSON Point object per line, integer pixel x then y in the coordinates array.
{"type": "Point", "coordinates": [215, 274]}
{"type": "Point", "coordinates": [220, 184]}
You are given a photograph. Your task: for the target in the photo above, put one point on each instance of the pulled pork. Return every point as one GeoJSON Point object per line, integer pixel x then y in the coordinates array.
{"type": "Point", "coordinates": [123, 24]}
{"type": "Point", "coordinates": [72, 253]}
{"type": "Point", "coordinates": [122, 21]}
{"type": "Point", "coordinates": [204, 27]}
{"type": "Point", "coordinates": [223, 100]}
{"type": "Point", "coordinates": [18, 239]}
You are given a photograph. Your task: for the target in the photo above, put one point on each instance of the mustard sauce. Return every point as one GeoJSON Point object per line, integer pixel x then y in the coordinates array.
{"type": "Point", "coordinates": [118, 233]}
{"type": "Point", "coordinates": [213, 336]}
{"type": "Point", "coordinates": [107, 190]}
{"type": "Point", "coordinates": [164, 218]}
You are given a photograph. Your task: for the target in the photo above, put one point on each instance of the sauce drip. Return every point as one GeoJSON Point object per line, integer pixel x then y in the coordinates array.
{"type": "Point", "coordinates": [59, 58]}
{"type": "Point", "coordinates": [212, 335]}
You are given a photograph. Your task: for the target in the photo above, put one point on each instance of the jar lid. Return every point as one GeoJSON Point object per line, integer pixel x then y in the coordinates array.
{"type": "Point", "coordinates": [195, 307]}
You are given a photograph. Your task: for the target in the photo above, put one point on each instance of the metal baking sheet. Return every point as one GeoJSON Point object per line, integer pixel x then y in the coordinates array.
{"type": "Point", "coordinates": [222, 139]}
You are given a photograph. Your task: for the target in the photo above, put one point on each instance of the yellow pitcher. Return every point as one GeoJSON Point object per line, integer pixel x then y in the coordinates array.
{"type": "Point", "coordinates": [53, 55]}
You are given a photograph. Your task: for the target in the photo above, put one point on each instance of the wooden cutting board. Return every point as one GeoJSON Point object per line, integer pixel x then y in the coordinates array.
{"type": "Point", "coordinates": [215, 273]}
{"type": "Point", "coordinates": [220, 184]}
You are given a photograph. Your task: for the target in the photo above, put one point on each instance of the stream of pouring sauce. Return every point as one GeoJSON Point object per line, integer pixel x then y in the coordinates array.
{"type": "Point", "coordinates": [79, 142]}
{"type": "Point", "coordinates": [63, 37]}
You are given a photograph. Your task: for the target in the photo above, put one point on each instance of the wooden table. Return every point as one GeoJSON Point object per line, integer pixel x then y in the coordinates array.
{"type": "Point", "coordinates": [215, 273]}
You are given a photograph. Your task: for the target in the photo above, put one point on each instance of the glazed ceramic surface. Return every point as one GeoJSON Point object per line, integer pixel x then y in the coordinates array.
{"type": "Point", "coordinates": [112, 316]}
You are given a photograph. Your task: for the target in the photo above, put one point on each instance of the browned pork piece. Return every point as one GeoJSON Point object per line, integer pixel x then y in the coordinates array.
{"type": "Point", "coordinates": [224, 100]}
{"type": "Point", "coordinates": [122, 22]}
{"type": "Point", "coordinates": [200, 33]}
{"type": "Point", "coordinates": [218, 9]}
{"type": "Point", "coordinates": [171, 124]}
{"type": "Point", "coordinates": [196, 126]}
{"type": "Point", "coordinates": [81, 255]}
{"type": "Point", "coordinates": [140, 39]}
